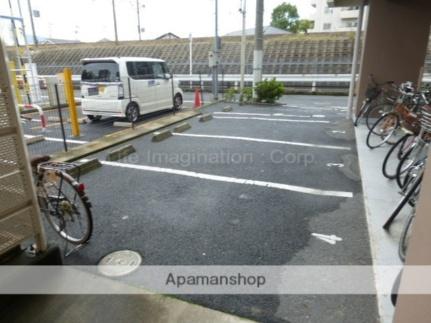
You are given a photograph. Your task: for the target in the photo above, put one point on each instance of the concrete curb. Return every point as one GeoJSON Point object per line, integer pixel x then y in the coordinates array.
{"type": "Point", "coordinates": [35, 139]}
{"type": "Point", "coordinates": [227, 108]}
{"type": "Point", "coordinates": [161, 135]}
{"type": "Point", "coordinates": [182, 127]}
{"type": "Point", "coordinates": [122, 136]}
{"type": "Point", "coordinates": [85, 167]}
{"type": "Point", "coordinates": [120, 152]}
{"type": "Point", "coordinates": [205, 117]}
{"type": "Point", "coordinates": [123, 124]}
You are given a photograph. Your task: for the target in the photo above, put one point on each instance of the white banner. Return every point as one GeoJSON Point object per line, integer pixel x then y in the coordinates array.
{"type": "Point", "coordinates": [310, 280]}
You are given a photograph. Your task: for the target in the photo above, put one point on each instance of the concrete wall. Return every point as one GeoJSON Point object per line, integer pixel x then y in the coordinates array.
{"type": "Point", "coordinates": [396, 41]}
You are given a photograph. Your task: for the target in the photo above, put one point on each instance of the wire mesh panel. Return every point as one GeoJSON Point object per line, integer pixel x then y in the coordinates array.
{"type": "Point", "coordinates": [19, 213]}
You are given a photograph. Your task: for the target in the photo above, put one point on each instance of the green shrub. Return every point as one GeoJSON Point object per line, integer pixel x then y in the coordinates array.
{"type": "Point", "coordinates": [229, 95]}
{"type": "Point", "coordinates": [269, 91]}
{"type": "Point", "coordinates": [246, 95]}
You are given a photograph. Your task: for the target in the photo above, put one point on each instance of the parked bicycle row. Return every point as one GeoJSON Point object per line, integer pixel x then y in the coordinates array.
{"type": "Point", "coordinates": [399, 116]}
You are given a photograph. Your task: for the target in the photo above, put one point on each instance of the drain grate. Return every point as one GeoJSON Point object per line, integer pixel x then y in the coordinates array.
{"type": "Point", "coordinates": [119, 263]}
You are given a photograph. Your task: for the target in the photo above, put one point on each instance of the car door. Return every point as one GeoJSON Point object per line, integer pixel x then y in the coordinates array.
{"type": "Point", "coordinates": [142, 85]}
{"type": "Point", "coordinates": [164, 87]}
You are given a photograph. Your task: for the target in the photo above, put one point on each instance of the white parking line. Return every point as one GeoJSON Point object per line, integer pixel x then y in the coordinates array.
{"type": "Point", "coordinates": [270, 119]}
{"type": "Point", "coordinates": [292, 143]}
{"type": "Point", "coordinates": [217, 178]}
{"type": "Point", "coordinates": [71, 141]}
{"type": "Point", "coordinates": [271, 114]}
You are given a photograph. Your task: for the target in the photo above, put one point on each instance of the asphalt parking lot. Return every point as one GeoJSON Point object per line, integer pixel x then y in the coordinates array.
{"type": "Point", "coordinates": [248, 187]}
{"type": "Point", "coordinates": [88, 131]}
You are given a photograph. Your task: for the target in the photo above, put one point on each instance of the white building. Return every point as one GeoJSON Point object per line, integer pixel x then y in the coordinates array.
{"type": "Point", "coordinates": [328, 19]}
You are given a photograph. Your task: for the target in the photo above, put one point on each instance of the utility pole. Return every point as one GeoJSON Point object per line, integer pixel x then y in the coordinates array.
{"type": "Point", "coordinates": [355, 60]}
{"type": "Point", "coordinates": [139, 19]}
{"type": "Point", "coordinates": [115, 21]}
{"type": "Point", "coordinates": [258, 47]}
{"type": "Point", "coordinates": [35, 41]}
{"type": "Point", "coordinates": [216, 55]}
{"type": "Point", "coordinates": [242, 10]}
{"type": "Point", "coordinates": [190, 58]}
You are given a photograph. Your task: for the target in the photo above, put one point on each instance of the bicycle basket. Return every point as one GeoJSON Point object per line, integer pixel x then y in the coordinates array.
{"type": "Point", "coordinates": [410, 120]}
{"type": "Point", "coordinates": [372, 92]}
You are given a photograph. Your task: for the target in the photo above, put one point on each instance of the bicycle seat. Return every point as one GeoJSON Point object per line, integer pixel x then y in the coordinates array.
{"type": "Point", "coordinates": [35, 161]}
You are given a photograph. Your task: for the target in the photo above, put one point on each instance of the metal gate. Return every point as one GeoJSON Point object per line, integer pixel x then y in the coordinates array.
{"type": "Point", "coordinates": [19, 213]}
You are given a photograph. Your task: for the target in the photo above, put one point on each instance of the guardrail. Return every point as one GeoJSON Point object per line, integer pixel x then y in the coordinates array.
{"type": "Point", "coordinates": [309, 78]}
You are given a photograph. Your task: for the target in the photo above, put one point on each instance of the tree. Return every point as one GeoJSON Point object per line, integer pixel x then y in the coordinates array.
{"type": "Point", "coordinates": [304, 25]}
{"type": "Point", "coordinates": [285, 16]}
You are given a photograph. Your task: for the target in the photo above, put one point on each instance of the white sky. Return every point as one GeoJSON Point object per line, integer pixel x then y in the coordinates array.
{"type": "Point", "coordinates": [91, 20]}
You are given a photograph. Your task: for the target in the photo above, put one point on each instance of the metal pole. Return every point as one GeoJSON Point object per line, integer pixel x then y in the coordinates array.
{"type": "Point", "coordinates": [34, 88]}
{"type": "Point", "coordinates": [139, 19]}
{"type": "Point", "coordinates": [242, 10]}
{"type": "Point", "coordinates": [36, 42]}
{"type": "Point", "coordinates": [190, 59]}
{"type": "Point", "coordinates": [61, 117]}
{"type": "Point", "coordinates": [115, 21]}
{"type": "Point", "coordinates": [258, 47]}
{"type": "Point", "coordinates": [19, 60]}
{"type": "Point", "coordinates": [215, 67]}
{"type": "Point", "coordinates": [355, 61]}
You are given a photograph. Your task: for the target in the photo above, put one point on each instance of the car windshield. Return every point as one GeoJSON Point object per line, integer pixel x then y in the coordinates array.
{"type": "Point", "coordinates": [100, 72]}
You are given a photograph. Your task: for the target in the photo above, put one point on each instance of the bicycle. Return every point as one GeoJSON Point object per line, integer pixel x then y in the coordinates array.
{"type": "Point", "coordinates": [410, 190]}
{"type": "Point", "coordinates": [402, 117]}
{"type": "Point", "coordinates": [379, 97]}
{"type": "Point", "coordinates": [418, 148]}
{"type": "Point", "coordinates": [62, 199]}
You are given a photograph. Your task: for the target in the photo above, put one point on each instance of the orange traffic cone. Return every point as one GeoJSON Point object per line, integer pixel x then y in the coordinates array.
{"type": "Point", "coordinates": [198, 101]}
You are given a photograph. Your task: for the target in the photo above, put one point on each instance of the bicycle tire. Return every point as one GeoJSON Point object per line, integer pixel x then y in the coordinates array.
{"type": "Point", "coordinates": [374, 132]}
{"type": "Point", "coordinates": [403, 168]}
{"type": "Point", "coordinates": [47, 208]}
{"type": "Point", "coordinates": [379, 110]}
{"type": "Point", "coordinates": [395, 288]}
{"type": "Point", "coordinates": [395, 149]}
{"type": "Point", "coordinates": [361, 113]}
{"type": "Point", "coordinates": [403, 244]}
{"type": "Point", "coordinates": [402, 203]}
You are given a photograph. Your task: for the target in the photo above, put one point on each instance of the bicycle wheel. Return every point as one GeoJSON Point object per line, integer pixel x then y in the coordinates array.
{"type": "Point", "coordinates": [361, 112]}
{"type": "Point", "coordinates": [392, 158]}
{"type": "Point", "coordinates": [382, 130]}
{"type": "Point", "coordinates": [407, 161]}
{"type": "Point", "coordinates": [405, 236]}
{"type": "Point", "coordinates": [410, 193]}
{"type": "Point", "coordinates": [375, 112]}
{"type": "Point", "coordinates": [63, 202]}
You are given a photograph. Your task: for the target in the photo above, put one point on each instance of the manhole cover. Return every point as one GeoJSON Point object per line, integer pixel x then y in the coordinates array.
{"type": "Point", "coordinates": [119, 263]}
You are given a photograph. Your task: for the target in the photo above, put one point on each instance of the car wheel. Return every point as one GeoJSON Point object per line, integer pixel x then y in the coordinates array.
{"type": "Point", "coordinates": [178, 101]}
{"type": "Point", "coordinates": [132, 112]}
{"type": "Point", "coordinates": [94, 118]}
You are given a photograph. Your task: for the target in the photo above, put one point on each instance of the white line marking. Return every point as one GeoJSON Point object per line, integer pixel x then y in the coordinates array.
{"type": "Point", "coordinates": [71, 141]}
{"type": "Point", "coordinates": [338, 131]}
{"type": "Point", "coordinates": [245, 114]}
{"type": "Point", "coordinates": [339, 165]}
{"type": "Point", "coordinates": [269, 119]}
{"type": "Point", "coordinates": [271, 114]}
{"type": "Point", "coordinates": [332, 239]}
{"type": "Point", "coordinates": [292, 143]}
{"type": "Point", "coordinates": [217, 178]}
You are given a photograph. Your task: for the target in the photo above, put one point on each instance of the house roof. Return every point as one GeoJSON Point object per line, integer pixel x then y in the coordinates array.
{"type": "Point", "coordinates": [267, 30]}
